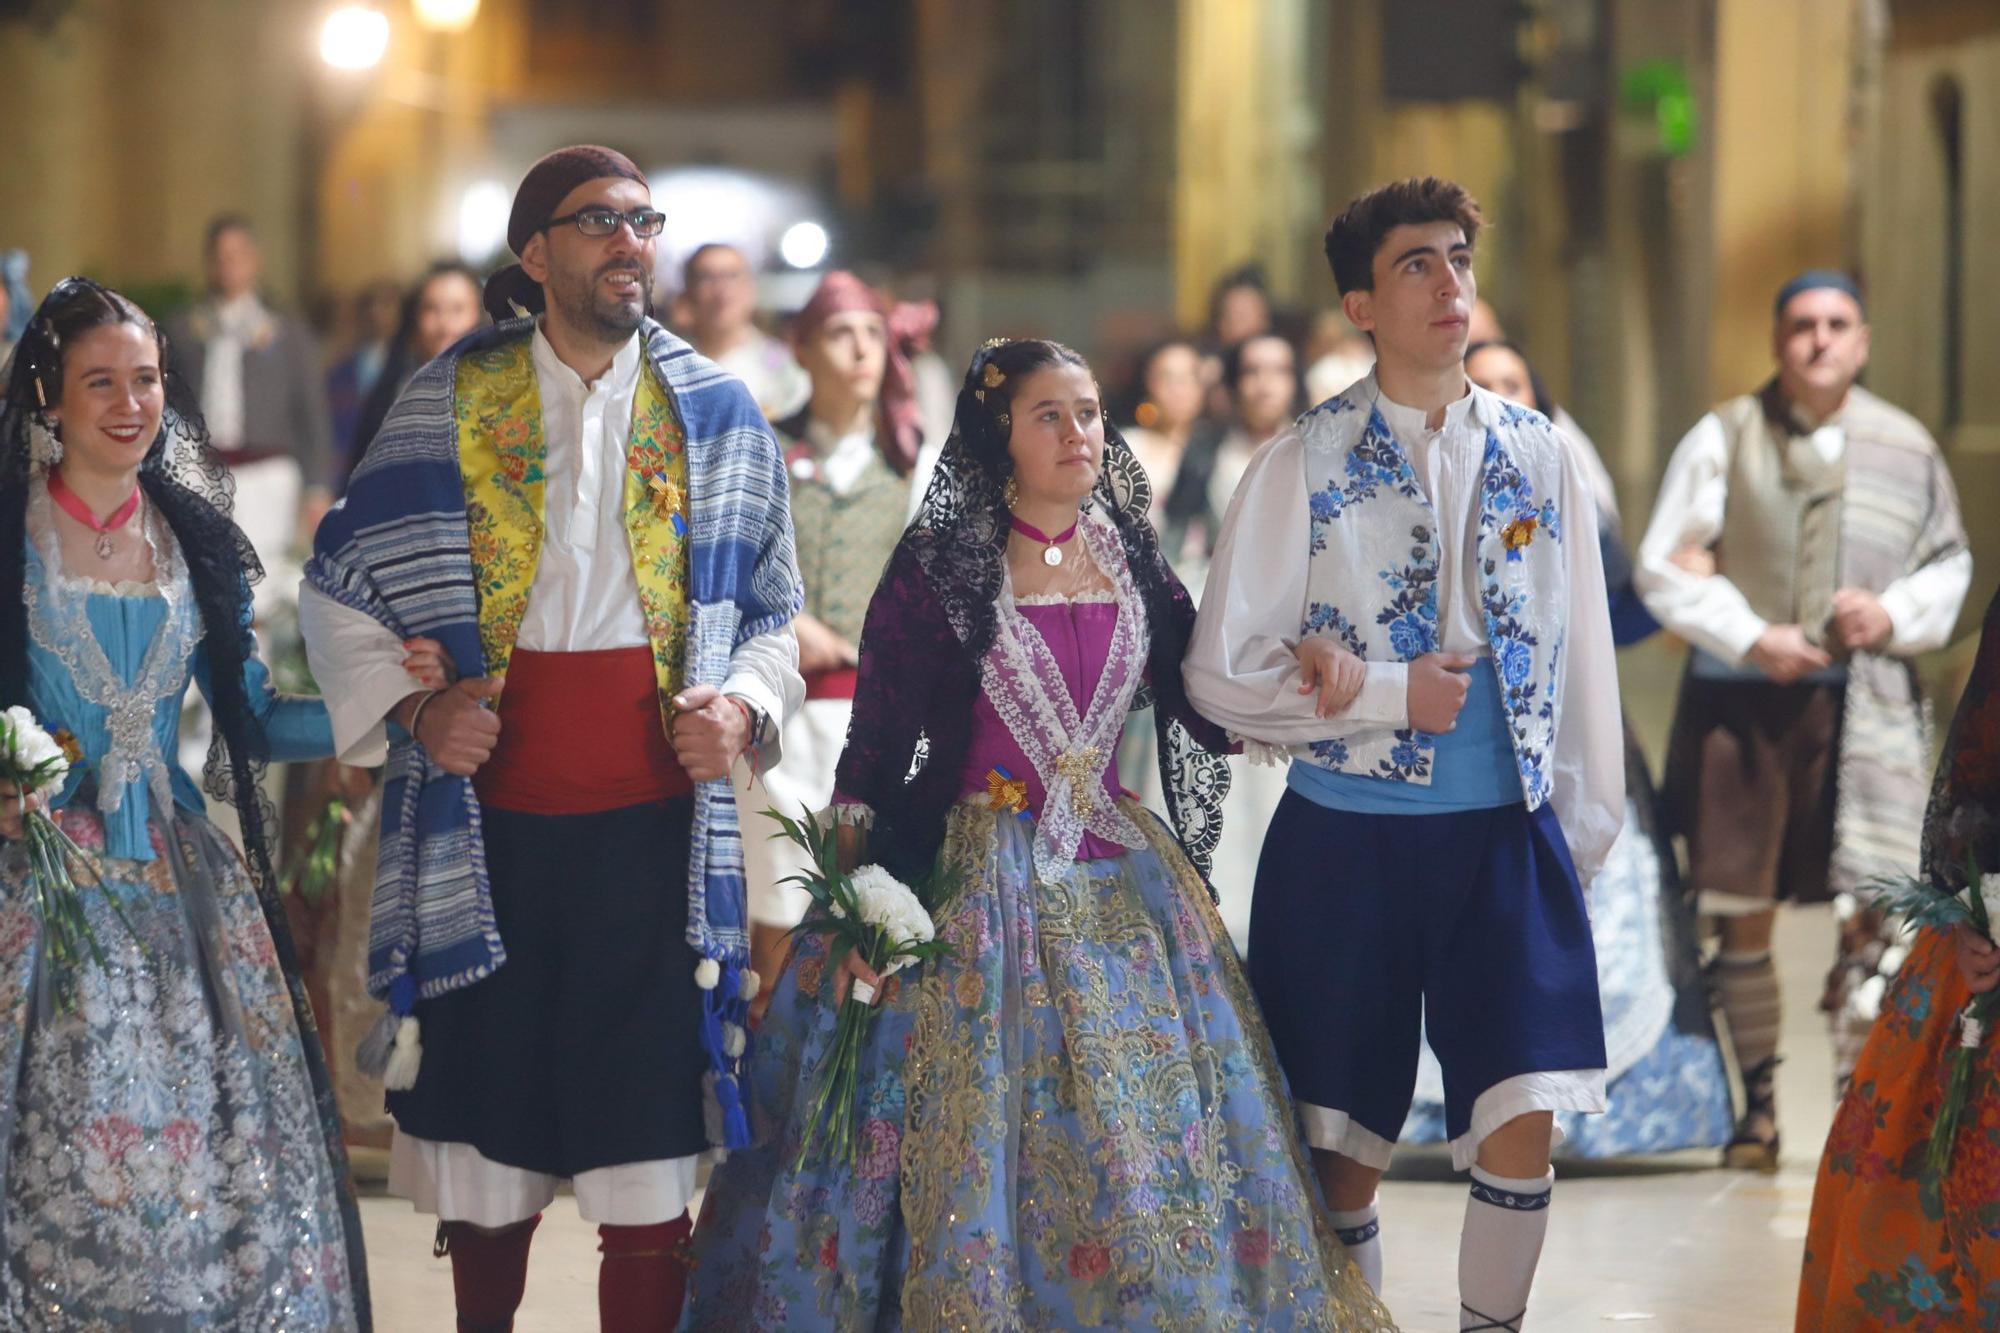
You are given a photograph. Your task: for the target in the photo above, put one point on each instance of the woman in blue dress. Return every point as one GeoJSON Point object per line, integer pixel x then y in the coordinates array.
{"type": "Point", "coordinates": [168, 1139]}
{"type": "Point", "coordinates": [1073, 1120]}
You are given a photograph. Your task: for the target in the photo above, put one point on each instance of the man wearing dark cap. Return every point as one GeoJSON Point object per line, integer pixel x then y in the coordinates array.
{"type": "Point", "coordinates": [582, 509]}
{"type": "Point", "coordinates": [1800, 754]}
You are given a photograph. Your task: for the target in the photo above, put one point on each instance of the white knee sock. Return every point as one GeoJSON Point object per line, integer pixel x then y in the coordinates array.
{"type": "Point", "coordinates": [1361, 1232]}
{"type": "Point", "coordinates": [1505, 1221]}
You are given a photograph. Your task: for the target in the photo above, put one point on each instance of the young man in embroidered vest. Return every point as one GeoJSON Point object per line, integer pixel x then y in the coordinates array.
{"type": "Point", "coordinates": [582, 509]}
{"type": "Point", "coordinates": [1799, 762]}
{"type": "Point", "coordinates": [1407, 598]}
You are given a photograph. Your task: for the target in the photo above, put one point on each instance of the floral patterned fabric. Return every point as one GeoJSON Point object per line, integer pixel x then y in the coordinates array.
{"type": "Point", "coordinates": [501, 456]}
{"type": "Point", "coordinates": [165, 1157]}
{"type": "Point", "coordinates": [1364, 500]}
{"type": "Point", "coordinates": [1073, 1121]}
{"type": "Point", "coordinates": [1885, 1249]}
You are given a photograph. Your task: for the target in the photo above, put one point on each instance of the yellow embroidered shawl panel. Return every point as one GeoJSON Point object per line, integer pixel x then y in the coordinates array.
{"type": "Point", "coordinates": [501, 451]}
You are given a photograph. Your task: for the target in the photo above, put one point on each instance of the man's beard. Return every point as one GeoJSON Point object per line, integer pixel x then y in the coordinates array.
{"type": "Point", "coordinates": [586, 307]}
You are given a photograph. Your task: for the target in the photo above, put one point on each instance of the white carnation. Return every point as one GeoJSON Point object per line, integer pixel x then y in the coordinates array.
{"type": "Point", "coordinates": [890, 905]}
{"type": "Point", "coordinates": [32, 747]}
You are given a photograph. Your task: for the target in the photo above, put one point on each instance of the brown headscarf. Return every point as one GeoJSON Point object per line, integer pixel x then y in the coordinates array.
{"type": "Point", "coordinates": [542, 190]}
{"type": "Point", "coordinates": [899, 431]}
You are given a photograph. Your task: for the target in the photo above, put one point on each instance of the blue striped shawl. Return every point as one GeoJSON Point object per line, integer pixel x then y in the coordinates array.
{"type": "Point", "coordinates": [396, 549]}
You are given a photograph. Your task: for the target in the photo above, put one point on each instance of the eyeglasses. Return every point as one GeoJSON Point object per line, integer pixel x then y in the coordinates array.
{"type": "Point", "coordinates": [644, 222]}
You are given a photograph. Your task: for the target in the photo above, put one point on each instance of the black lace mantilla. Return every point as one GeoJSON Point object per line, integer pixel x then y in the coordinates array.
{"type": "Point", "coordinates": [187, 482]}
{"type": "Point", "coordinates": [934, 616]}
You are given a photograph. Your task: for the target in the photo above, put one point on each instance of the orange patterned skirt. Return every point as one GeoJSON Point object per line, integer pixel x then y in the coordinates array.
{"type": "Point", "coordinates": [1887, 1249]}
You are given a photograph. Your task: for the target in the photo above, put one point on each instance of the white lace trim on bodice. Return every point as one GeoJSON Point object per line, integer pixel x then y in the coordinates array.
{"type": "Point", "coordinates": [1070, 752]}
{"type": "Point", "coordinates": [59, 623]}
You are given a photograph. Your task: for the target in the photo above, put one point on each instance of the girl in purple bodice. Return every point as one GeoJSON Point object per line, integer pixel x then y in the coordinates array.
{"type": "Point", "coordinates": [1074, 1119]}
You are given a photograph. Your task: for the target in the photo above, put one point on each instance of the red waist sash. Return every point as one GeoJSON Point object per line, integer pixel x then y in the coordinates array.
{"type": "Point", "coordinates": [580, 733]}
{"type": "Point", "coordinates": [835, 684]}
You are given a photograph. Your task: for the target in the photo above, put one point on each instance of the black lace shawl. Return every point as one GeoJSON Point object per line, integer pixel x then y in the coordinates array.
{"type": "Point", "coordinates": [1962, 824]}
{"type": "Point", "coordinates": [182, 478]}
{"type": "Point", "coordinates": [934, 616]}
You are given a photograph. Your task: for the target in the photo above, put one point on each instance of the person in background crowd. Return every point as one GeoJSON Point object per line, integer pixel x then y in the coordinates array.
{"type": "Point", "coordinates": [263, 395]}
{"type": "Point", "coordinates": [375, 316]}
{"type": "Point", "coordinates": [440, 309]}
{"type": "Point", "coordinates": [1345, 359]}
{"type": "Point", "coordinates": [1796, 764]}
{"type": "Point", "coordinates": [1164, 413]}
{"type": "Point", "coordinates": [1260, 378]}
{"type": "Point", "coordinates": [719, 297]}
{"type": "Point", "coordinates": [1239, 307]}
{"type": "Point", "coordinates": [849, 457]}
{"type": "Point", "coordinates": [15, 299]}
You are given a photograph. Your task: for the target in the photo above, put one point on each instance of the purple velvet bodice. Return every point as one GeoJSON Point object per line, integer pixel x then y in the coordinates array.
{"type": "Point", "coordinates": [1078, 635]}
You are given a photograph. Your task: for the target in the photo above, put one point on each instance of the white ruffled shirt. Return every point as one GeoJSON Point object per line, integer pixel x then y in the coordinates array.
{"type": "Point", "coordinates": [1711, 612]}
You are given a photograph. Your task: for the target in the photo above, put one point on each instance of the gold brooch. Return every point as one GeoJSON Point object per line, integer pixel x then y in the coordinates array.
{"type": "Point", "coordinates": [993, 377]}
{"type": "Point", "coordinates": [1516, 535]}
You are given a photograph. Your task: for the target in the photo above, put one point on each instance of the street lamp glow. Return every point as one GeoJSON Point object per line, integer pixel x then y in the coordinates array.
{"type": "Point", "coordinates": [446, 15]}
{"type": "Point", "coordinates": [803, 245]}
{"type": "Point", "coordinates": [355, 37]}
{"type": "Point", "coordinates": [482, 221]}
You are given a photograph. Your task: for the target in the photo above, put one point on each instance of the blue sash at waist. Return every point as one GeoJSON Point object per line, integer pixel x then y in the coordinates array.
{"type": "Point", "coordinates": [1473, 766]}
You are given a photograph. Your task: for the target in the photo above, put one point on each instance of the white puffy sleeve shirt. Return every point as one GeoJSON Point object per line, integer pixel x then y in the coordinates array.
{"type": "Point", "coordinates": [1710, 612]}
{"type": "Point", "coordinates": [1242, 673]}
{"type": "Point", "coordinates": [585, 596]}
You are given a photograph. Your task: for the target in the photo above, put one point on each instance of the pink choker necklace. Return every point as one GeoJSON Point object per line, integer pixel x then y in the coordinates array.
{"type": "Point", "coordinates": [1051, 546]}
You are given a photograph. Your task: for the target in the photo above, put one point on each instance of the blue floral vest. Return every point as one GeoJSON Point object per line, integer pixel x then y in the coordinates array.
{"type": "Point", "coordinates": [1373, 579]}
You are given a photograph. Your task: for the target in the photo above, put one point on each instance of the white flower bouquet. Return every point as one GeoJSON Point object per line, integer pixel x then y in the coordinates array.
{"type": "Point", "coordinates": [36, 762]}
{"type": "Point", "coordinates": [888, 926]}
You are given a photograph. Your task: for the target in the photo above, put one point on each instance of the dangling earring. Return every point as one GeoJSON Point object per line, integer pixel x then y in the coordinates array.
{"type": "Point", "coordinates": [1011, 492]}
{"type": "Point", "coordinates": [44, 445]}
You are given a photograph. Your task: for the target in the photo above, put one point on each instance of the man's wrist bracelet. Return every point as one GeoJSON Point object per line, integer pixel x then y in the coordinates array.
{"type": "Point", "coordinates": [416, 714]}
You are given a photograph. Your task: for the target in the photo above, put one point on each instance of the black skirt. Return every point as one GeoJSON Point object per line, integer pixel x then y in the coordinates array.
{"type": "Point", "coordinates": [583, 1050]}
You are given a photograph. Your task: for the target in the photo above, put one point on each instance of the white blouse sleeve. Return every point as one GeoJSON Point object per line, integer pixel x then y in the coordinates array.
{"type": "Point", "coordinates": [1240, 669]}
{"type": "Point", "coordinates": [764, 673]}
{"type": "Point", "coordinates": [1709, 612]}
{"type": "Point", "coordinates": [1588, 773]}
{"type": "Point", "coordinates": [358, 662]}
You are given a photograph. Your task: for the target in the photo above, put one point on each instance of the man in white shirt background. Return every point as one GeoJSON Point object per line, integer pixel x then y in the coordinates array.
{"type": "Point", "coordinates": [1800, 756]}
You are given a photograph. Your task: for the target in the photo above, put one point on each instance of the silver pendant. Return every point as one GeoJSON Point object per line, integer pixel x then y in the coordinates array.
{"type": "Point", "coordinates": [1052, 556]}
{"type": "Point", "coordinates": [105, 546]}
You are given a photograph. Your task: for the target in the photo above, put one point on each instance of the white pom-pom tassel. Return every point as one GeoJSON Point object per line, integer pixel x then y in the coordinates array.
{"type": "Point", "coordinates": [734, 1040]}
{"type": "Point", "coordinates": [404, 1059]}
{"type": "Point", "coordinates": [708, 974]}
{"type": "Point", "coordinates": [748, 984]}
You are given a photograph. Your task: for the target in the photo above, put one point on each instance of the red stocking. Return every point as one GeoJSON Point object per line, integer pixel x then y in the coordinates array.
{"type": "Point", "coordinates": [643, 1279]}
{"type": "Point", "coordinates": [489, 1271]}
